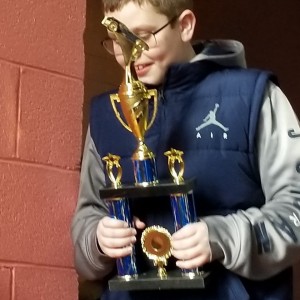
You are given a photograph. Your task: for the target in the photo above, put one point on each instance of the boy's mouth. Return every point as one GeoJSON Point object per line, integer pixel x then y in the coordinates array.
{"type": "Point", "coordinates": [142, 69]}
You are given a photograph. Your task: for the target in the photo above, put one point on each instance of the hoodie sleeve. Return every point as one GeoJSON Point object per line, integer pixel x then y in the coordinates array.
{"type": "Point", "coordinates": [259, 243]}
{"type": "Point", "coordinates": [90, 263]}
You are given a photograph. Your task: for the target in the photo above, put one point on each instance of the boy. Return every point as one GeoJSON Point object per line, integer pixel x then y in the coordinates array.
{"type": "Point", "coordinates": [240, 139]}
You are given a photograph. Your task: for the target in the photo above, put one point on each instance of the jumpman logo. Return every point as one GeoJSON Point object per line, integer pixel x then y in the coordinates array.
{"type": "Point", "coordinates": [293, 134]}
{"type": "Point", "coordinates": [210, 119]}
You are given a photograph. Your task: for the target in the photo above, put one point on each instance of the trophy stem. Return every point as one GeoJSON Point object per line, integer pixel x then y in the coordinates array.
{"type": "Point", "coordinates": [184, 213]}
{"type": "Point", "coordinates": [162, 273]}
{"type": "Point", "coordinates": [144, 165]}
{"type": "Point", "coordinates": [119, 209]}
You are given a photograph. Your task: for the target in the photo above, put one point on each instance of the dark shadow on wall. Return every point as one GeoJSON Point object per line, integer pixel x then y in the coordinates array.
{"type": "Point", "coordinates": [101, 71]}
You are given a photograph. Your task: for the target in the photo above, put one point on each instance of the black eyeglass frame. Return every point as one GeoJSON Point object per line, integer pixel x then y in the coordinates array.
{"type": "Point", "coordinates": [152, 33]}
{"type": "Point", "coordinates": [164, 26]}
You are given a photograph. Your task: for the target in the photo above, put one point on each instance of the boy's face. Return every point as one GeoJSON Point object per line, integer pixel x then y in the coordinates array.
{"type": "Point", "coordinates": [169, 47]}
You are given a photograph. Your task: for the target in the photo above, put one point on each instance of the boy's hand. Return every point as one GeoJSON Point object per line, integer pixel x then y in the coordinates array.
{"type": "Point", "coordinates": [191, 246]}
{"type": "Point", "coordinates": [115, 238]}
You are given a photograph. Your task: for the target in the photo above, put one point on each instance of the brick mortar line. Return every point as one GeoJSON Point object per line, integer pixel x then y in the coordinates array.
{"type": "Point", "coordinates": [39, 165]}
{"type": "Point", "coordinates": [19, 64]}
{"type": "Point", "coordinates": [18, 114]}
{"type": "Point", "coordinates": [12, 264]}
{"type": "Point", "coordinates": [13, 284]}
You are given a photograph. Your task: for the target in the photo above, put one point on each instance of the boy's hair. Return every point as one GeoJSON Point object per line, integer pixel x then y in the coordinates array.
{"type": "Point", "coordinates": [170, 8]}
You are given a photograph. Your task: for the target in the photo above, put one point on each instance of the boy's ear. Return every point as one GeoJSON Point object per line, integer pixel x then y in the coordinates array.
{"type": "Point", "coordinates": [187, 22]}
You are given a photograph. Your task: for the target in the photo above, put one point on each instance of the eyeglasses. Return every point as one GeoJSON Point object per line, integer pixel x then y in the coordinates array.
{"type": "Point", "coordinates": [112, 46]}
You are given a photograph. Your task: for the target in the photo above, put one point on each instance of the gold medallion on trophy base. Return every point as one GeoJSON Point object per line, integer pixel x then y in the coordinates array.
{"type": "Point", "coordinates": [156, 244]}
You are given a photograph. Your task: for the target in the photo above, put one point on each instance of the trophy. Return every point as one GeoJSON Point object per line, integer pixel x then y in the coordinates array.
{"type": "Point", "coordinates": [134, 97]}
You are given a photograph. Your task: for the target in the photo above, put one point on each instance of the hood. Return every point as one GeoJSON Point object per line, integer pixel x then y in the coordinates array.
{"type": "Point", "coordinates": [228, 53]}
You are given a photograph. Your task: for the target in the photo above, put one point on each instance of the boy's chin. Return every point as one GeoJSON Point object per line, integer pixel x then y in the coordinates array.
{"type": "Point", "coordinates": [151, 81]}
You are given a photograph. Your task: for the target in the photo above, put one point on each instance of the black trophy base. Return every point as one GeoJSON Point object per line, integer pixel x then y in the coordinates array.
{"type": "Point", "coordinates": [151, 191]}
{"type": "Point", "coordinates": [150, 281]}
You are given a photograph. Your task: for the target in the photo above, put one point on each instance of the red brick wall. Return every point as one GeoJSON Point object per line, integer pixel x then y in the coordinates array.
{"type": "Point", "coordinates": [41, 96]}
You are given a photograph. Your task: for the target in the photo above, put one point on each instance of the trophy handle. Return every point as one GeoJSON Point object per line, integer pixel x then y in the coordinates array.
{"type": "Point", "coordinates": [153, 93]}
{"type": "Point", "coordinates": [113, 98]}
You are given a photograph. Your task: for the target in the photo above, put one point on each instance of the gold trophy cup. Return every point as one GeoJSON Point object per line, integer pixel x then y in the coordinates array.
{"type": "Point", "coordinates": [134, 97]}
